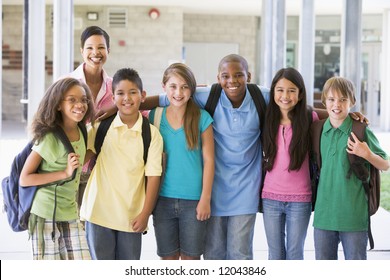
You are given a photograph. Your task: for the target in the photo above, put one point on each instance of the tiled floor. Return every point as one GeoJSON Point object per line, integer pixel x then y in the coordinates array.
{"type": "Point", "coordinates": [15, 246]}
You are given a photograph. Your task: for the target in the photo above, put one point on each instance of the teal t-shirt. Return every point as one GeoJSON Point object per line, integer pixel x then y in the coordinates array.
{"type": "Point", "coordinates": [341, 203]}
{"type": "Point", "coordinates": [184, 168]}
{"type": "Point", "coordinates": [55, 158]}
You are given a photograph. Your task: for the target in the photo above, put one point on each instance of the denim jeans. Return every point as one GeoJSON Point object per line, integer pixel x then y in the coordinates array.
{"type": "Point", "coordinates": [177, 229]}
{"type": "Point", "coordinates": [230, 238]}
{"type": "Point", "coordinates": [326, 243]}
{"type": "Point", "coordinates": [108, 244]}
{"type": "Point", "coordinates": [285, 226]}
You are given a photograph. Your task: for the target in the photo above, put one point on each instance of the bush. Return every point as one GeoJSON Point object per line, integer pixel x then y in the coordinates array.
{"type": "Point", "coordinates": [385, 190]}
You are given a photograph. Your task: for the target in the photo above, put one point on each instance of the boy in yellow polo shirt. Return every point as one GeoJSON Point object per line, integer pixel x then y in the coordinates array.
{"type": "Point", "coordinates": [116, 205]}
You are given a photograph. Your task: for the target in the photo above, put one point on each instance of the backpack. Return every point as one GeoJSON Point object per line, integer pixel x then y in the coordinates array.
{"type": "Point", "coordinates": [370, 177]}
{"type": "Point", "coordinates": [17, 199]}
{"type": "Point", "coordinates": [105, 125]}
{"type": "Point", "coordinates": [255, 92]}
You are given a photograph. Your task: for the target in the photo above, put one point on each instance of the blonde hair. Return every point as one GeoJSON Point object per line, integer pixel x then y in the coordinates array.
{"type": "Point", "coordinates": [342, 85]}
{"type": "Point", "coordinates": [192, 114]}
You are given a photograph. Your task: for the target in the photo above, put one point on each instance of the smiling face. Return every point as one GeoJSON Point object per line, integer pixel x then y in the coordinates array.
{"type": "Point", "coordinates": [74, 104]}
{"type": "Point", "coordinates": [178, 91]}
{"type": "Point", "coordinates": [286, 95]}
{"type": "Point", "coordinates": [95, 52]}
{"type": "Point", "coordinates": [128, 97]}
{"type": "Point", "coordinates": [337, 106]}
{"type": "Point", "coordinates": [233, 78]}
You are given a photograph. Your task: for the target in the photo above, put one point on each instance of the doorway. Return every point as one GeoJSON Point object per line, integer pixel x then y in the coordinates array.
{"type": "Point", "coordinates": [371, 84]}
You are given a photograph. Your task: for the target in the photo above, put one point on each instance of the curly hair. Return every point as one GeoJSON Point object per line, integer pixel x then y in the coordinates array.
{"type": "Point", "coordinates": [48, 116]}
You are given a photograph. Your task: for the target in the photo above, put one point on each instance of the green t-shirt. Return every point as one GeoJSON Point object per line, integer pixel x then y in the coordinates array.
{"type": "Point", "coordinates": [341, 203]}
{"type": "Point", "coordinates": [54, 158]}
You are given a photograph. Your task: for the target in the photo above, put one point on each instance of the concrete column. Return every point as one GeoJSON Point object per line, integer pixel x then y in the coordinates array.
{"type": "Point", "coordinates": [351, 45]}
{"type": "Point", "coordinates": [266, 43]}
{"type": "Point", "coordinates": [62, 38]}
{"type": "Point", "coordinates": [273, 39]}
{"type": "Point", "coordinates": [279, 35]}
{"type": "Point", "coordinates": [36, 59]}
{"type": "Point", "coordinates": [1, 73]}
{"type": "Point", "coordinates": [307, 47]}
{"type": "Point", "coordinates": [385, 73]}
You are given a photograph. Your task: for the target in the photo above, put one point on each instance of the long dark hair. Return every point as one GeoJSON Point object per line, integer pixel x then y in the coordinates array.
{"type": "Point", "coordinates": [300, 123]}
{"type": "Point", "coordinates": [48, 116]}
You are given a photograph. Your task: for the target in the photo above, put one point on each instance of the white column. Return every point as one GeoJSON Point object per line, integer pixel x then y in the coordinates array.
{"type": "Point", "coordinates": [266, 43]}
{"type": "Point", "coordinates": [307, 47]}
{"type": "Point", "coordinates": [273, 39]}
{"type": "Point", "coordinates": [385, 73]}
{"type": "Point", "coordinates": [279, 35]}
{"type": "Point", "coordinates": [36, 59]}
{"type": "Point", "coordinates": [351, 45]}
{"type": "Point", "coordinates": [1, 72]}
{"type": "Point", "coordinates": [62, 38]}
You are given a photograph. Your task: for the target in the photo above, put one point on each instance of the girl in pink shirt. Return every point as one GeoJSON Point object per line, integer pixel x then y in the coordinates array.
{"type": "Point", "coordinates": [286, 193]}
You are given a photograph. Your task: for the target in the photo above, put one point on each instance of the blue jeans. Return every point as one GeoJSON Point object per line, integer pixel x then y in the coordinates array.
{"type": "Point", "coordinates": [285, 225]}
{"type": "Point", "coordinates": [108, 244]}
{"type": "Point", "coordinates": [230, 238]}
{"type": "Point", "coordinates": [177, 229]}
{"type": "Point", "coordinates": [326, 243]}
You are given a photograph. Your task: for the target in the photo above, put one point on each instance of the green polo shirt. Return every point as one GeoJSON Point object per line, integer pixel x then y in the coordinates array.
{"type": "Point", "coordinates": [341, 203]}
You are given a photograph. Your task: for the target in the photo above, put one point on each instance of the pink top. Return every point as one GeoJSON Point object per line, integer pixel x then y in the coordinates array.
{"type": "Point", "coordinates": [281, 184]}
{"type": "Point", "coordinates": [104, 97]}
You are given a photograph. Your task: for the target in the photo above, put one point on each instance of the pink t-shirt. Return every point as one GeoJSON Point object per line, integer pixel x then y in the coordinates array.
{"type": "Point", "coordinates": [281, 184]}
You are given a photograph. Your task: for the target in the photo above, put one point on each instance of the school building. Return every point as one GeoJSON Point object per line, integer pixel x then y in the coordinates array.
{"type": "Point", "coordinates": [321, 38]}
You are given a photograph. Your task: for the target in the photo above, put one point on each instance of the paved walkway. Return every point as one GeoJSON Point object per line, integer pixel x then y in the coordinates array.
{"type": "Point", "coordinates": [15, 246]}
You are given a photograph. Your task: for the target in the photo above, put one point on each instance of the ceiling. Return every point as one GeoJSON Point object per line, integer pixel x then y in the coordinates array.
{"type": "Point", "coordinates": [231, 7]}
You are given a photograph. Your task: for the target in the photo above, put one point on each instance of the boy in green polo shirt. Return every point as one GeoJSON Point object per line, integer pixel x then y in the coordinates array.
{"type": "Point", "coordinates": [341, 213]}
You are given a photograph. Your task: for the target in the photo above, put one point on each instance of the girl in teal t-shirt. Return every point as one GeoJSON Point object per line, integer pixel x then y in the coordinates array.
{"type": "Point", "coordinates": [183, 206]}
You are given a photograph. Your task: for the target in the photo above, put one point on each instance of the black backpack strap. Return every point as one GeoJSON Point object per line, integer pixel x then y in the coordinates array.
{"type": "Point", "coordinates": [359, 169]}
{"type": "Point", "coordinates": [84, 132]}
{"type": "Point", "coordinates": [101, 133]}
{"type": "Point", "coordinates": [259, 101]}
{"type": "Point", "coordinates": [315, 156]}
{"type": "Point", "coordinates": [60, 134]}
{"type": "Point", "coordinates": [212, 101]}
{"type": "Point", "coordinates": [146, 136]}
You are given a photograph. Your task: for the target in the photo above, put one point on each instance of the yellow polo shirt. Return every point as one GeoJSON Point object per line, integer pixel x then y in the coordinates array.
{"type": "Point", "coordinates": [115, 192]}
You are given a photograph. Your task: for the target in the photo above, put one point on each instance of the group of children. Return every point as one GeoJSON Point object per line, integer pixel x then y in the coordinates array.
{"type": "Point", "coordinates": [208, 201]}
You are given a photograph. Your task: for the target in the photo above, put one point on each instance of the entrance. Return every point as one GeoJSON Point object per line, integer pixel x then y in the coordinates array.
{"type": "Point", "coordinates": [371, 84]}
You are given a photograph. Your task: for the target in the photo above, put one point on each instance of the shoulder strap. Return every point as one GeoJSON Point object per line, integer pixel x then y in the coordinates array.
{"type": "Point", "coordinates": [146, 136]}
{"type": "Point", "coordinates": [212, 101]}
{"type": "Point", "coordinates": [316, 130]}
{"type": "Point", "coordinates": [60, 134]}
{"type": "Point", "coordinates": [259, 101]}
{"type": "Point", "coordinates": [157, 117]}
{"type": "Point", "coordinates": [101, 133]}
{"type": "Point", "coordinates": [83, 129]}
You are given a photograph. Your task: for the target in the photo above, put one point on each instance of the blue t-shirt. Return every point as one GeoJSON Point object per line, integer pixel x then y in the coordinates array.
{"type": "Point", "coordinates": [238, 153]}
{"type": "Point", "coordinates": [184, 169]}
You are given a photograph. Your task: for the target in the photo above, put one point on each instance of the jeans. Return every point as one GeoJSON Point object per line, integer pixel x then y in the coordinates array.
{"type": "Point", "coordinates": [230, 238]}
{"type": "Point", "coordinates": [108, 244]}
{"type": "Point", "coordinates": [285, 226]}
{"type": "Point", "coordinates": [326, 243]}
{"type": "Point", "coordinates": [177, 229]}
